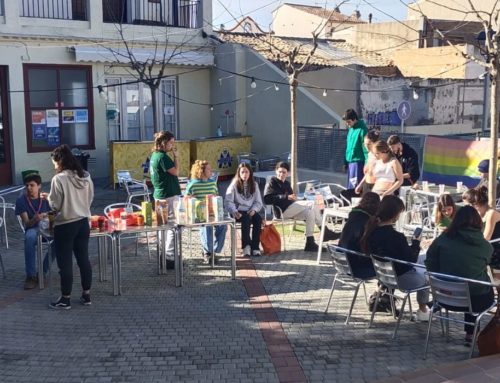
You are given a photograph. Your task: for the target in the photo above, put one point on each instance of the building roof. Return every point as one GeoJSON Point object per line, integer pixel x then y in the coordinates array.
{"type": "Point", "coordinates": [329, 14]}
{"type": "Point", "coordinates": [245, 22]}
{"type": "Point", "coordinates": [328, 54]}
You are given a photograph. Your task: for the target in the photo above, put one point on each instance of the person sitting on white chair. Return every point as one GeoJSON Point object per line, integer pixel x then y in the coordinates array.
{"type": "Point", "coordinates": [278, 192]}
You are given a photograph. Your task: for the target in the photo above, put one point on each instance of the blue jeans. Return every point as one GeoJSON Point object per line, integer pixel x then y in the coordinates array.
{"type": "Point", "coordinates": [207, 238]}
{"type": "Point", "coordinates": [30, 245]}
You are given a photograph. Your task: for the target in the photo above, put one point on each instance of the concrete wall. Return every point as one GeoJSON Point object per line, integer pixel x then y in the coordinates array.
{"type": "Point", "coordinates": [449, 9]}
{"type": "Point", "coordinates": [290, 21]}
{"type": "Point", "coordinates": [263, 112]}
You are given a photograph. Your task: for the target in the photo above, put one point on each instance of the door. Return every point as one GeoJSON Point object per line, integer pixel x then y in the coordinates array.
{"type": "Point", "coordinates": [5, 162]}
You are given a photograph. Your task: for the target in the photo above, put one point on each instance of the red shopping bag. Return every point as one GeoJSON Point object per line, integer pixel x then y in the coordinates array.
{"type": "Point", "coordinates": [270, 239]}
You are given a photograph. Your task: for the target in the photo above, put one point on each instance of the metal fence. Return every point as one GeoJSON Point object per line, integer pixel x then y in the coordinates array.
{"type": "Point", "coordinates": [54, 9]}
{"type": "Point", "coordinates": [175, 13]}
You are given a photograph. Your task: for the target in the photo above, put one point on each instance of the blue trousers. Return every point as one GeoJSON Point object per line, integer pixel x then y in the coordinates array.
{"type": "Point", "coordinates": [207, 238]}
{"type": "Point", "coordinates": [30, 246]}
{"type": "Point", "coordinates": [354, 174]}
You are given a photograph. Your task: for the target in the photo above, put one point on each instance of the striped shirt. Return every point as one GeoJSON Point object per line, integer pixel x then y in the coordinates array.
{"type": "Point", "coordinates": [199, 188]}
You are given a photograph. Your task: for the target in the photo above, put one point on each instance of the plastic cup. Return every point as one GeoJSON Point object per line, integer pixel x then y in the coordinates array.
{"type": "Point", "coordinates": [459, 186]}
{"type": "Point", "coordinates": [425, 186]}
{"type": "Point", "coordinates": [441, 188]}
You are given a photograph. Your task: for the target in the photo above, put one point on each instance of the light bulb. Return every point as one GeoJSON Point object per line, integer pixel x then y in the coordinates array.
{"type": "Point", "coordinates": [415, 94]}
{"type": "Point", "coordinates": [276, 87]}
{"type": "Point", "coordinates": [211, 108]}
{"type": "Point", "coordinates": [253, 84]}
{"type": "Point", "coordinates": [102, 94]}
{"type": "Point", "coordinates": [325, 93]}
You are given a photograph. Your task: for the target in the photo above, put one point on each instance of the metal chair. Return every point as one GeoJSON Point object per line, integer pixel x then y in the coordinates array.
{"type": "Point", "coordinates": [133, 187]}
{"type": "Point", "coordinates": [1, 259]}
{"type": "Point", "coordinates": [452, 294]}
{"type": "Point", "coordinates": [345, 276]}
{"type": "Point", "coordinates": [386, 275]}
{"type": "Point", "coordinates": [3, 208]}
{"type": "Point", "coordinates": [283, 222]}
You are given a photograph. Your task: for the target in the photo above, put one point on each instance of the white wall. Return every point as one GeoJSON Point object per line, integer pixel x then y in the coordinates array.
{"type": "Point", "coordinates": [450, 9]}
{"type": "Point", "coordinates": [290, 21]}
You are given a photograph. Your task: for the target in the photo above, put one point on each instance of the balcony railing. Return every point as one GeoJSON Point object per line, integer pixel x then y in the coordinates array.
{"type": "Point", "coordinates": [175, 13]}
{"type": "Point", "coordinates": [54, 9]}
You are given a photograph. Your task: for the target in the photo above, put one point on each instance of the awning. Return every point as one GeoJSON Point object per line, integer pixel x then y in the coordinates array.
{"type": "Point", "coordinates": [119, 55]}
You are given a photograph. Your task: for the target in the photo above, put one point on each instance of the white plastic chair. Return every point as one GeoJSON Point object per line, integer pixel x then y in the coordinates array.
{"type": "Point", "coordinates": [345, 276]}
{"type": "Point", "coordinates": [452, 294]}
{"type": "Point", "coordinates": [387, 276]}
{"type": "Point", "coordinates": [133, 187]}
{"type": "Point", "coordinates": [3, 222]}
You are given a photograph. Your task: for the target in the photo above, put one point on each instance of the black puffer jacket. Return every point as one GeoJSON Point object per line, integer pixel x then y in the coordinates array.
{"type": "Point", "coordinates": [276, 193]}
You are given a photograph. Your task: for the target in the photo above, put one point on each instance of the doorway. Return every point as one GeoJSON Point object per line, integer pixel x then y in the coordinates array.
{"type": "Point", "coordinates": [5, 160]}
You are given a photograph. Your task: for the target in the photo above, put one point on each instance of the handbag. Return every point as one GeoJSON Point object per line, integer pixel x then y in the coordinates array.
{"type": "Point", "coordinates": [488, 341]}
{"type": "Point", "coordinates": [270, 239]}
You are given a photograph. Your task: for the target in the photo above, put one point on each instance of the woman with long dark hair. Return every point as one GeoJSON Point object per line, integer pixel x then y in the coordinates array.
{"type": "Point", "coordinates": [387, 170]}
{"type": "Point", "coordinates": [380, 238]}
{"type": "Point", "coordinates": [463, 251]}
{"type": "Point", "coordinates": [446, 209]}
{"type": "Point", "coordinates": [243, 201]}
{"type": "Point", "coordinates": [164, 170]}
{"type": "Point", "coordinates": [71, 194]}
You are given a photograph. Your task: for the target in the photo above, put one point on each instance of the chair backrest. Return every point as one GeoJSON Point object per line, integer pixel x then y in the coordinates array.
{"type": "Point", "coordinates": [129, 207]}
{"type": "Point", "coordinates": [328, 196]}
{"type": "Point", "coordinates": [450, 292]}
{"type": "Point", "coordinates": [340, 261]}
{"type": "Point", "coordinates": [214, 176]}
{"type": "Point", "coordinates": [385, 272]}
{"type": "Point", "coordinates": [21, 224]}
{"type": "Point", "coordinates": [123, 177]}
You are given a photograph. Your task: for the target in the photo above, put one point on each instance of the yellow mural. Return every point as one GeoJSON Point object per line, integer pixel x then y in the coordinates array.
{"type": "Point", "coordinates": [131, 155]}
{"type": "Point", "coordinates": [222, 153]}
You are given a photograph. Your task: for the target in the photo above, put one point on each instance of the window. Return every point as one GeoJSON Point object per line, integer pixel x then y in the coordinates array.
{"type": "Point", "coordinates": [129, 109]}
{"type": "Point", "coordinates": [58, 107]}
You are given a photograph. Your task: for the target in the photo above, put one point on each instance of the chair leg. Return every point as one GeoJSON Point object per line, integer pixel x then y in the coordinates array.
{"type": "Point", "coordinates": [149, 249]}
{"type": "Point", "coordinates": [474, 337]}
{"type": "Point", "coordinates": [3, 268]}
{"type": "Point", "coordinates": [283, 234]}
{"type": "Point", "coordinates": [401, 313]}
{"type": "Point", "coordinates": [366, 296]}
{"type": "Point", "coordinates": [6, 235]}
{"type": "Point", "coordinates": [447, 325]}
{"type": "Point", "coordinates": [331, 293]}
{"type": "Point", "coordinates": [428, 334]}
{"type": "Point", "coordinates": [353, 302]}
{"type": "Point", "coordinates": [393, 304]}
{"type": "Point", "coordinates": [377, 298]}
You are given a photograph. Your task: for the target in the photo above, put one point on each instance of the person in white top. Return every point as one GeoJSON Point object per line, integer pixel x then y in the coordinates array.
{"type": "Point", "coordinates": [387, 170]}
{"type": "Point", "coordinates": [366, 184]}
{"type": "Point", "coordinates": [243, 201]}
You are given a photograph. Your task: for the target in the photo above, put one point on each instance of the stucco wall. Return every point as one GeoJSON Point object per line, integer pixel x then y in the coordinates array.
{"type": "Point", "coordinates": [449, 9]}
{"type": "Point", "coordinates": [289, 21]}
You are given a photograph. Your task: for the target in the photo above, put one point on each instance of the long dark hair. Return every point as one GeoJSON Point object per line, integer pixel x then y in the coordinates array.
{"type": "Point", "coordinates": [239, 182]}
{"type": "Point", "coordinates": [369, 203]}
{"type": "Point", "coordinates": [390, 207]}
{"type": "Point", "coordinates": [445, 200]}
{"type": "Point", "coordinates": [467, 216]}
{"type": "Point", "coordinates": [66, 160]}
{"type": "Point", "coordinates": [159, 138]}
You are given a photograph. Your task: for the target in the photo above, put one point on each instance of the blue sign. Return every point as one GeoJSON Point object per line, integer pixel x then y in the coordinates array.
{"type": "Point", "coordinates": [404, 110]}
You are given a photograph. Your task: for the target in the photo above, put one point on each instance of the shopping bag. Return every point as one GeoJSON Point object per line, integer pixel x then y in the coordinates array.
{"type": "Point", "coordinates": [488, 341]}
{"type": "Point", "coordinates": [270, 239]}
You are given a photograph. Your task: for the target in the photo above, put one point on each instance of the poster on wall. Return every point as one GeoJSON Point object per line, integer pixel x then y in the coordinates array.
{"type": "Point", "coordinates": [68, 116]}
{"type": "Point", "coordinates": [38, 117]}
{"type": "Point", "coordinates": [81, 115]}
{"type": "Point", "coordinates": [53, 136]}
{"type": "Point", "coordinates": [39, 132]}
{"type": "Point", "coordinates": [52, 117]}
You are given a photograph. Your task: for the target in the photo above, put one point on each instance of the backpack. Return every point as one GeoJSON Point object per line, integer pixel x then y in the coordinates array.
{"type": "Point", "coordinates": [384, 303]}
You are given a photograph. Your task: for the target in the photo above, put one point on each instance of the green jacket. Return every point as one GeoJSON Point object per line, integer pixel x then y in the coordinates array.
{"type": "Point", "coordinates": [355, 151]}
{"type": "Point", "coordinates": [467, 255]}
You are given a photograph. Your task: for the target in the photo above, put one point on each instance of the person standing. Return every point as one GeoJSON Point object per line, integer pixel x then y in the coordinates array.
{"type": "Point", "coordinates": [164, 170]}
{"type": "Point", "coordinates": [408, 158]}
{"type": "Point", "coordinates": [71, 194]}
{"type": "Point", "coordinates": [31, 209]}
{"type": "Point", "coordinates": [355, 152]}
{"type": "Point", "coordinates": [243, 201]}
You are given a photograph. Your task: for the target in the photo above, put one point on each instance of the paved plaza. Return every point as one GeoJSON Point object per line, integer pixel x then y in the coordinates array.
{"type": "Point", "coordinates": [268, 325]}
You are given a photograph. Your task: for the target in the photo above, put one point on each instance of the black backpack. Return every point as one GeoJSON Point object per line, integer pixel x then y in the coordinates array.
{"type": "Point", "coordinates": [384, 303]}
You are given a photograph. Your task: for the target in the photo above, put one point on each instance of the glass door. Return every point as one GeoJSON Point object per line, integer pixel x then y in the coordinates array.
{"type": "Point", "coordinates": [5, 161]}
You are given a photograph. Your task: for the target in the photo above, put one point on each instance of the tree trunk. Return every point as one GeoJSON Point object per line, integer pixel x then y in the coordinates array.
{"type": "Point", "coordinates": [492, 174]}
{"type": "Point", "coordinates": [154, 105]}
{"type": "Point", "coordinates": [293, 122]}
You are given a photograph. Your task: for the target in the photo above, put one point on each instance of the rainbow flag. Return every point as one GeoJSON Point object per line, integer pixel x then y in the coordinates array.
{"type": "Point", "coordinates": [448, 160]}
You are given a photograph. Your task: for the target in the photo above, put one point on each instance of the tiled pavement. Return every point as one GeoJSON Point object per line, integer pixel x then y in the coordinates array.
{"type": "Point", "coordinates": [268, 325]}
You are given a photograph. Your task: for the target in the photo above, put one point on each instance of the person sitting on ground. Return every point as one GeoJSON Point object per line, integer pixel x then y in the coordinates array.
{"type": "Point", "coordinates": [446, 209]}
{"type": "Point", "coordinates": [408, 158]}
{"type": "Point", "coordinates": [354, 228]}
{"type": "Point", "coordinates": [279, 193]}
{"type": "Point", "coordinates": [462, 251]}
{"type": "Point", "coordinates": [367, 182]}
{"type": "Point", "coordinates": [478, 198]}
{"type": "Point", "coordinates": [243, 202]}
{"type": "Point", "coordinates": [32, 209]}
{"type": "Point", "coordinates": [199, 187]}
{"type": "Point", "coordinates": [483, 168]}
{"type": "Point", "coordinates": [381, 239]}
{"type": "Point", "coordinates": [387, 171]}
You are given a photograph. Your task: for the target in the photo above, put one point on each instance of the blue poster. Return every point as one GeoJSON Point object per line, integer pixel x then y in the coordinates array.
{"type": "Point", "coordinates": [53, 136]}
{"type": "Point", "coordinates": [81, 115]}
{"type": "Point", "coordinates": [39, 132]}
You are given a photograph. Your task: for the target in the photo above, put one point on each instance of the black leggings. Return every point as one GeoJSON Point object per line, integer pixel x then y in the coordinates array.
{"type": "Point", "coordinates": [246, 221]}
{"type": "Point", "coordinates": [72, 238]}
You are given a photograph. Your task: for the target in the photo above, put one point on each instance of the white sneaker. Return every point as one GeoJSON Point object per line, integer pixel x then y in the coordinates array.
{"type": "Point", "coordinates": [422, 316]}
{"type": "Point", "coordinates": [247, 250]}
{"type": "Point", "coordinates": [256, 253]}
